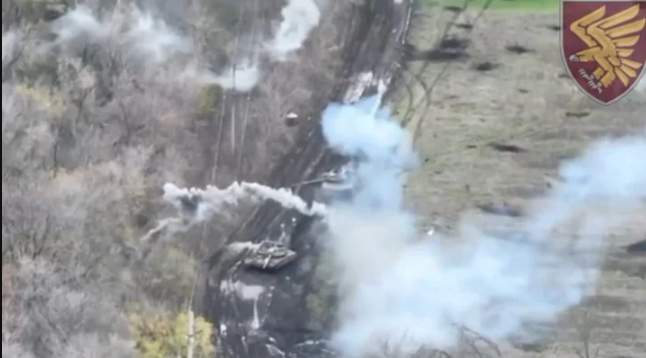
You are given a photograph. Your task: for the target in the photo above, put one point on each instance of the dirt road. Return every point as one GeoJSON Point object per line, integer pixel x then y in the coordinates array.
{"type": "Point", "coordinates": [292, 306]}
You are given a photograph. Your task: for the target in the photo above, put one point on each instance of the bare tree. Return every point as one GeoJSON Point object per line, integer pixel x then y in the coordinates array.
{"type": "Point", "coordinates": [584, 328]}
{"type": "Point", "coordinates": [53, 315]}
{"type": "Point", "coordinates": [93, 124]}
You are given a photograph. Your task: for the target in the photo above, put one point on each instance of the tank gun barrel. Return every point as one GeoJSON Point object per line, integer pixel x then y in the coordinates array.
{"type": "Point", "coordinates": [306, 182]}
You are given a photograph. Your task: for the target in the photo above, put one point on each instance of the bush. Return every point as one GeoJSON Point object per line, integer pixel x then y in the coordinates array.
{"type": "Point", "coordinates": [168, 274]}
{"type": "Point", "coordinates": [166, 336]}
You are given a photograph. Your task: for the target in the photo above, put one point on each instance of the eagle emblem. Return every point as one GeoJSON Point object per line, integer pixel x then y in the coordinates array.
{"type": "Point", "coordinates": [604, 46]}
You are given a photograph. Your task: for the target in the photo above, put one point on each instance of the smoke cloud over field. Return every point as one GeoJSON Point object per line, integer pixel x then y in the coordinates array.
{"type": "Point", "coordinates": [300, 17]}
{"type": "Point", "coordinates": [142, 39]}
{"type": "Point", "coordinates": [416, 292]}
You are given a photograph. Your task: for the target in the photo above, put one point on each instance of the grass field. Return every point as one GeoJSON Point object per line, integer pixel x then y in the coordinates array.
{"type": "Point", "coordinates": [512, 89]}
{"type": "Point", "coordinates": [547, 5]}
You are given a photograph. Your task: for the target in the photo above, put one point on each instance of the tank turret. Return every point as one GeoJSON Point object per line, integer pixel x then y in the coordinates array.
{"type": "Point", "coordinates": [270, 256]}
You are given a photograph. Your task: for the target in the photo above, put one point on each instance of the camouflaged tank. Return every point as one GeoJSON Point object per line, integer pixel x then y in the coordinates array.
{"type": "Point", "coordinates": [270, 256]}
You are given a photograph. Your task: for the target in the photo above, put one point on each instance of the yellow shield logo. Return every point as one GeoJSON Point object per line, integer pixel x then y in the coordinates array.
{"type": "Point", "coordinates": [603, 45]}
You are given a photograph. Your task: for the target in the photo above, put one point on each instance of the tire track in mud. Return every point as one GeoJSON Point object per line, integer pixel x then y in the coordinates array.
{"type": "Point", "coordinates": [417, 75]}
{"type": "Point", "coordinates": [222, 118]}
{"type": "Point", "coordinates": [413, 117]}
{"type": "Point", "coordinates": [198, 289]}
{"type": "Point", "coordinates": [245, 121]}
{"type": "Point", "coordinates": [378, 27]}
{"type": "Point", "coordinates": [225, 103]}
{"type": "Point", "coordinates": [234, 119]}
{"type": "Point", "coordinates": [372, 27]}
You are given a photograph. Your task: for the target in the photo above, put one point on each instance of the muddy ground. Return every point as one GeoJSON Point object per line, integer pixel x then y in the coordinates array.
{"type": "Point", "coordinates": [491, 117]}
{"type": "Point", "coordinates": [491, 127]}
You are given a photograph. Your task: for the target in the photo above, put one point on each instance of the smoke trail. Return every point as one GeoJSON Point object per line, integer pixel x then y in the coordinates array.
{"type": "Point", "coordinates": [212, 198]}
{"type": "Point", "coordinates": [299, 18]}
{"type": "Point", "coordinates": [198, 205]}
{"type": "Point", "coordinates": [412, 291]}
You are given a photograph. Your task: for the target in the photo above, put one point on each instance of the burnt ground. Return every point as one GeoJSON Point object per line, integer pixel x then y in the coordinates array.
{"type": "Point", "coordinates": [492, 117]}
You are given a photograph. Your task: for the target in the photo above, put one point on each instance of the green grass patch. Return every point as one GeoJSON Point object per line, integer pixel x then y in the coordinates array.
{"type": "Point", "coordinates": [548, 5]}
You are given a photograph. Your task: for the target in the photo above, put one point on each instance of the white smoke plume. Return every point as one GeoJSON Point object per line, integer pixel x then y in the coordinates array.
{"type": "Point", "coordinates": [142, 39]}
{"type": "Point", "coordinates": [130, 31]}
{"type": "Point", "coordinates": [80, 22]}
{"type": "Point", "coordinates": [365, 131]}
{"type": "Point", "coordinates": [139, 37]}
{"type": "Point", "coordinates": [9, 47]}
{"type": "Point", "coordinates": [212, 198]}
{"type": "Point", "coordinates": [198, 205]}
{"type": "Point", "coordinates": [402, 287]}
{"type": "Point", "coordinates": [300, 17]}
{"type": "Point", "coordinates": [242, 77]}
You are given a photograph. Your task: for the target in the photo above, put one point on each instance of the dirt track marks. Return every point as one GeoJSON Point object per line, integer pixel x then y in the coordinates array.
{"type": "Point", "coordinates": [525, 102]}
{"type": "Point", "coordinates": [451, 39]}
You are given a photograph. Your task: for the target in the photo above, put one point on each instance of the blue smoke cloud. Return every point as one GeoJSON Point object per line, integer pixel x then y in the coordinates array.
{"type": "Point", "coordinates": [415, 292]}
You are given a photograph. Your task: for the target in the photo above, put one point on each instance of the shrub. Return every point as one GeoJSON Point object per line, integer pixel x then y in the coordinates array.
{"type": "Point", "coordinates": [166, 336]}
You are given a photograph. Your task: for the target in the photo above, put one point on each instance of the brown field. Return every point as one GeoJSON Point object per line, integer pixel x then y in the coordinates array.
{"type": "Point", "coordinates": [498, 95]}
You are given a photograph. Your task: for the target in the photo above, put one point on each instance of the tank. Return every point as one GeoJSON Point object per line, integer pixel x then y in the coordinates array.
{"type": "Point", "coordinates": [270, 255]}
{"type": "Point", "coordinates": [339, 184]}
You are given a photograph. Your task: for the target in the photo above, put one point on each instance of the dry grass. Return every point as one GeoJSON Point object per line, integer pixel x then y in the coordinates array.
{"type": "Point", "coordinates": [522, 100]}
